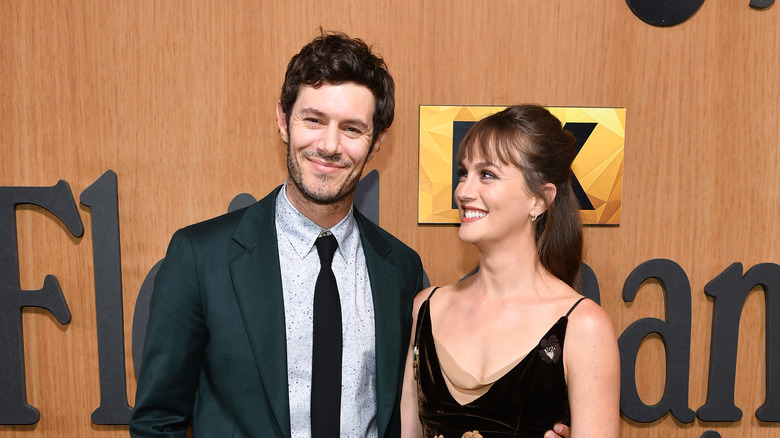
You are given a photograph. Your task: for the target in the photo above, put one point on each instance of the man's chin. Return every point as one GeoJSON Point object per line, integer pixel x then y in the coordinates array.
{"type": "Point", "coordinates": [325, 196]}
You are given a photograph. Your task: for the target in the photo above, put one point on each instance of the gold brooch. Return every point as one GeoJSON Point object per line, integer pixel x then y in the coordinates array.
{"type": "Point", "coordinates": [416, 364]}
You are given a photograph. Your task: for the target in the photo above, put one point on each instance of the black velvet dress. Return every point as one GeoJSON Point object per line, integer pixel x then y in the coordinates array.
{"type": "Point", "coordinates": [525, 402]}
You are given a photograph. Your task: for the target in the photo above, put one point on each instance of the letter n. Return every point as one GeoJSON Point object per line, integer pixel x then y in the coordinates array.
{"type": "Point", "coordinates": [676, 335]}
{"type": "Point", "coordinates": [730, 290]}
{"type": "Point", "coordinates": [58, 200]}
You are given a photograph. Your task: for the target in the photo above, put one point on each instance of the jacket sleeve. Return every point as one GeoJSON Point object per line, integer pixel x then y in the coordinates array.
{"type": "Point", "coordinates": [173, 350]}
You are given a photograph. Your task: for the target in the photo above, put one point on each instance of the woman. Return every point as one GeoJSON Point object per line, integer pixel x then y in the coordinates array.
{"type": "Point", "coordinates": [514, 349]}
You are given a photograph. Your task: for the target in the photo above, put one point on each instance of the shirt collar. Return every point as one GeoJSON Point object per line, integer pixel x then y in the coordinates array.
{"type": "Point", "coordinates": [302, 231]}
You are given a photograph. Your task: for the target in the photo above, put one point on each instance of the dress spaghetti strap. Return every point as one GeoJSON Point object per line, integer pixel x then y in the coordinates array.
{"type": "Point", "coordinates": [570, 310]}
{"type": "Point", "coordinates": [423, 310]}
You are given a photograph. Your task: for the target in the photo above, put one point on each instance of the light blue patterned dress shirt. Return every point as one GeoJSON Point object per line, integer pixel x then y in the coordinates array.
{"type": "Point", "coordinates": [300, 265]}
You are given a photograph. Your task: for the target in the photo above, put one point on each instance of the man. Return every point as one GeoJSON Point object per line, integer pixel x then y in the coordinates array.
{"type": "Point", "coordinates": [230, 345]}
{"type": "Point", "coordinates": [229, 341]}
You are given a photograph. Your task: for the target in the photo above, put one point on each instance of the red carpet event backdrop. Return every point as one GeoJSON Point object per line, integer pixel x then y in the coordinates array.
{"type": "Point", "coordinates": [123, 121]}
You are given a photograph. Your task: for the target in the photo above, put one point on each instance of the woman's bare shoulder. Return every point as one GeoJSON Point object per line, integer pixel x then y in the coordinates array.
{"type": "Point", "coordinates": [443, 294]}
{"type": "Point", "coordinates": [589, 321]}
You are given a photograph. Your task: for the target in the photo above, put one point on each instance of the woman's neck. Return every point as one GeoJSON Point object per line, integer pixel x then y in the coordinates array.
{"type": "Point", "coordinates": [511, 267]}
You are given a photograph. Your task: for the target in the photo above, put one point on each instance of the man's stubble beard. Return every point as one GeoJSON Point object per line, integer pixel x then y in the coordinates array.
{"type": "Point", "coordinates": [296, 175]}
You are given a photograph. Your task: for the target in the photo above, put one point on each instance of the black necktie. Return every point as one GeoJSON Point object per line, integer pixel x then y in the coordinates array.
{"type": "Point", "coordinates": [326, 355]}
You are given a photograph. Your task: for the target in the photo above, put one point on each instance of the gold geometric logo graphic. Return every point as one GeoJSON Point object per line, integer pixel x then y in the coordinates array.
{"type": "Point", "coordinates": [597, 168]}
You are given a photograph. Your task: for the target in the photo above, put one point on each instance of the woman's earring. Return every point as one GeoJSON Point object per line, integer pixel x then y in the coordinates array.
{"type": "Point", "coordinates": [534, 216]}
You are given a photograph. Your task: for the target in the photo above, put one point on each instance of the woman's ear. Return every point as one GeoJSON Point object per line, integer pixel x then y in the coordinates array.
{"type": "Point", "coordinates": [549, 191]}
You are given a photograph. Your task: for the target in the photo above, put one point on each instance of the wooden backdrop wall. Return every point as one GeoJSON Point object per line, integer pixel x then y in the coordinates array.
{"type": "Point", "coordinates": [177, 97]}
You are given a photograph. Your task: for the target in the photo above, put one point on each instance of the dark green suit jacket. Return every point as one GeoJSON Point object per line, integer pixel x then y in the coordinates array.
{"type": "Point", "coordinates": [215, 353]}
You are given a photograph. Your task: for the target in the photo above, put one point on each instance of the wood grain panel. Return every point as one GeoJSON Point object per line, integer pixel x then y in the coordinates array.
{"type": "Point", "coordinates": [178, 98]}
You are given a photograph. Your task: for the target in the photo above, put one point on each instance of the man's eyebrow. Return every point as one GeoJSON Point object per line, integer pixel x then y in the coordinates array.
{"type": "Point", "coordinates": [313, 112]}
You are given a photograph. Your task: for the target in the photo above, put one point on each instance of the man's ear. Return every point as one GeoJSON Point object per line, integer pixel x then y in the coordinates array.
{"type": "Point", "coordinates": [281, 122]}
{"type": "Point", "coordinates": [549, 191]}
{"type": "Point", "coordinates": [379, 140]}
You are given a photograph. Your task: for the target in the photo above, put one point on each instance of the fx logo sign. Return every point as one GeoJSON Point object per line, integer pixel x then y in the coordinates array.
{"type": "Point", "coordinates": [598, 168]}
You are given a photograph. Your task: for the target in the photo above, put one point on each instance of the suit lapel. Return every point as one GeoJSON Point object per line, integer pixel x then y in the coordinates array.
{"type": "Point", "coordinates": [387, 307]}
{"type": "Point", "coordinates": [257, 284]}
{"type": "Point", "coordinates": [258, 287]}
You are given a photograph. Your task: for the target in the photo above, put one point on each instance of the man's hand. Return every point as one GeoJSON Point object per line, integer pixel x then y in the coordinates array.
{"type": "Point", "coordinates": [558, 431]}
